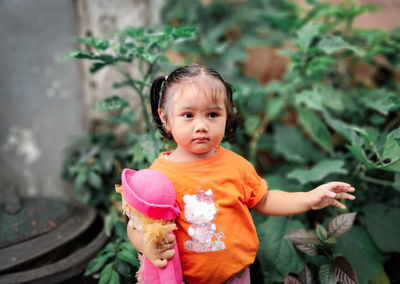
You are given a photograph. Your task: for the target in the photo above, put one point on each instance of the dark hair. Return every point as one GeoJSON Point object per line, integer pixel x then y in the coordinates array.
{"type": "Point", "coordinates": [161, 85]}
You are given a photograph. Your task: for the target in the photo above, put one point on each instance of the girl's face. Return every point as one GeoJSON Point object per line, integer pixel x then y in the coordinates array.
{"type": "Point", "coordinates": [196, 119]}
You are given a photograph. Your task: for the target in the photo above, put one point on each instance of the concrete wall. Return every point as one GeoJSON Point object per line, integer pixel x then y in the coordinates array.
{"type": "Point", "coordinates": [44, 101]}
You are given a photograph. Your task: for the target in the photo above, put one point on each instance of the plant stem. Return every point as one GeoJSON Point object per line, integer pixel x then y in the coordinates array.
{"type": "Point", "coordinates": [139, 91]}
{"type": "Point", "coordinates": [363, 177]}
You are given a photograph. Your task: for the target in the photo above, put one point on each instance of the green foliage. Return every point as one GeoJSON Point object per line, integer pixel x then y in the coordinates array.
{"type": "Point", "coordinates": [277, 256]}
{"type": "Point", "coordinates": [322, 121]}
{"type": "Point", "coordinates": [117, 261]}
{"type": "Point", "coordinates": [94, 164]}
{"type": "Point", "coordinates": [383, 224]}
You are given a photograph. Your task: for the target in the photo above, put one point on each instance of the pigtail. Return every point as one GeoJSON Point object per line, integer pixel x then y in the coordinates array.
{"type": "Point", "coordinates": [156, 91]}
{"type": "Point", "coordinates": [231, 122]}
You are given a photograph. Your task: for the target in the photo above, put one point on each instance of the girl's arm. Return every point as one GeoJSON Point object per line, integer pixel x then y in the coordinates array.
{"type": "Point", "coordinates": [157, 253]}
{"type": "Point", "coordinates": [281, 203]}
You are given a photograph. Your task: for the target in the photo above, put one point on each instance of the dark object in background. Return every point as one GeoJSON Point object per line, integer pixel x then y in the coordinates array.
{"type": "Point", "coordinates": [46, 240]}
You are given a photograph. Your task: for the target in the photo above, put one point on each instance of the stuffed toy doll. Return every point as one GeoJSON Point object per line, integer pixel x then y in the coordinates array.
{"type": "Point", "coordinates": [148, 199]}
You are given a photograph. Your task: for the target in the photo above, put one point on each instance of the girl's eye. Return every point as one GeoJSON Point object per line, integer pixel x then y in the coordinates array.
{"type": "Point", "coordinates": [213, 114]}
{"type": "Point", "coordinates": [187, 115]}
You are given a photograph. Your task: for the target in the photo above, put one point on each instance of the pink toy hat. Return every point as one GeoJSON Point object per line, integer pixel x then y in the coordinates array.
{"type": "Point", "coordinates": [150, 192]}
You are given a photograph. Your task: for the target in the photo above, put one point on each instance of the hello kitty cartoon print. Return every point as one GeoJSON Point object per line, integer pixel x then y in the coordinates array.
{"type": "Point", "coordinates": [199, 211]}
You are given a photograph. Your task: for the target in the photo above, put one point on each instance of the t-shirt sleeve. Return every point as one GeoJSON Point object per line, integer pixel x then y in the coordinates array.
{"type": "Point", "coordinates": [255, 187]}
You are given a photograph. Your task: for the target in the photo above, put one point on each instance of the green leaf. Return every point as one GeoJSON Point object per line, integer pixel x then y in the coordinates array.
{"type": "Point", "coordinates": [319, 171]}
{"type": "Point", "coordinates": [81, 178]}
{"type": "Point", "coordinates": [289, 143]}
{"type": "Point", "coordinates": [318, 66]}
{"type": "Point", "coordinates": [97, 263]}
{"type": "Point", "coordinates": [128, 117]}
{"type": "Point", "coordinates": [138, 154]}
{"type": "Point", "coordinates": [277, 256]}
{"type": "Point", "coordinates": [383, 224]}
{"type": "Point", "coordinates": [105, 274]}
{"type": "Point", "coordinates": [111, 103]}
{"type": "Point", "coordinates": [95, 180]}
{"type": "Point", "coordinates": [306, 34]}
{"type": "Point", "coordinates": [340, 224]}
{"type": "Point", "coordinates": [316, 129]}
{"type": "Point", "coordinates": [331, 44]}
{"type": "Point", "coordinates": [359, 153]}
{"type": "Point", "coordinates": [251, 123]}
{"type": "Point", "coordinates": [107, 58]}
{"type": "Point", "coordinates": [80, 54]}
{"type": "Point", "coordinates": [109, 222]}
{"type": "Point", "coordinates": [359, 249]}
{"type": "Point", "coordinates": [320, 98]}
{"type": "Point", "coordinates": [96, 43]}
{"type": "Point", "coordinates": [184, 32]}
{"type": "Point", "coordinates": [124, 268]}
{"type": "Point", "coordinates": [325, 275]}
{"type": "Point", "coordinates": [120, 229]}
{"type": "Point", "coordinates": [321, 232]}
{"type": "Point", "coordinates": [274, 108]}
{"type": "Point", "coordinates": [114, 277]}
{"type": "Point", "coordinates": [96, 66]}
{"type": "Point", "coordinates": [129, 257]}
{"type": "Point", "coordinates": [110, 247]}
{"type": "Point", "coordinates": [348, 131]}
{"type": "Point", "coordinates": [150, 146]}
{"type": "Point", "coordinates": [380, 100]}
{"type": "Point", "coordinates": [311, 98]}
{"type": "Point", "coordinates": [128, 247]}
{"type": "Point", "coordinates": [391, 151]}
{"type": "Point", "coordinates": [342, 270]}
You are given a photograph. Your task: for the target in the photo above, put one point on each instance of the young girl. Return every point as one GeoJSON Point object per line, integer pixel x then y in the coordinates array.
{"type": "Point", "coordinates": [215, 188]}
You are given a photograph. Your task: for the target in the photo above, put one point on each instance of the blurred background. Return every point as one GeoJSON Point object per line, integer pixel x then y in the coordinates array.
{"type": "Point", "coordinates": [317, 92]}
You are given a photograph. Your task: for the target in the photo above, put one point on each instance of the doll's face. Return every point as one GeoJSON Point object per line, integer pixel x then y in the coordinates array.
{"type": "Point", "coordinates": [134, 220]}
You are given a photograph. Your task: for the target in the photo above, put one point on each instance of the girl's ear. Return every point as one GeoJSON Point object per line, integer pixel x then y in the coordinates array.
{"type": "Point", "coordinates": [163, 117]}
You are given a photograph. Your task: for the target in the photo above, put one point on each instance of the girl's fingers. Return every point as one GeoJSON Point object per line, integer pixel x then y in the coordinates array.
{"type": "Point", "coordinates": [338, 204]}
{"type": "Point", "coordinates": [345, 195]}
{"type": "Point", "coordinates": [338, 184]}
{"type": "Point", "coordinates": [341, 186]}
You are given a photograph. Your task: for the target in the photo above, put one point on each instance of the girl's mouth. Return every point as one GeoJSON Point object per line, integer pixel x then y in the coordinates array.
{"type": "Point", "coordinates": [200, 139]}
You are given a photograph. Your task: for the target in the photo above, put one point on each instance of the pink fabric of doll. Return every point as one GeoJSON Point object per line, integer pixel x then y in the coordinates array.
{"type": "Point", "coordinates": [152, 194]}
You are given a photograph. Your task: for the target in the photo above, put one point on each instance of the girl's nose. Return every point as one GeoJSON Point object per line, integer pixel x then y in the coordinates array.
{"type": "Point", "coordinates": [201, 125]}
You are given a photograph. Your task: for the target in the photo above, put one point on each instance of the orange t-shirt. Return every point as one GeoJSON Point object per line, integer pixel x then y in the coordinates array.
{"type": "Point", "coordinates": [216, 235]}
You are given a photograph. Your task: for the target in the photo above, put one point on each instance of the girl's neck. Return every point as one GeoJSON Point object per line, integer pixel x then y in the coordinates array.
{"type": "Point", "coordinates": [181, 155]}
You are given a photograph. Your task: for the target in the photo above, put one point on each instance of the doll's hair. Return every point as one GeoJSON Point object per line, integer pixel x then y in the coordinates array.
{"type": "Point", "coordinates": [153, 230]}
{"type": "Point", "coordinates": [160, 94]}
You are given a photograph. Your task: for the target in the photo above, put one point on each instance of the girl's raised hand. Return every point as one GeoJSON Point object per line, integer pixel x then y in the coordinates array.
{"type": "Point", "coordinates": [328, 194]}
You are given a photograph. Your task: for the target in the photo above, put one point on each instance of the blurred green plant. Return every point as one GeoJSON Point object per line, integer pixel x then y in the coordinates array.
{"type": "Point", "coordinates": [94, 163]}
{"type": "Point", "coordinates": [322, 121]}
